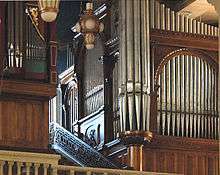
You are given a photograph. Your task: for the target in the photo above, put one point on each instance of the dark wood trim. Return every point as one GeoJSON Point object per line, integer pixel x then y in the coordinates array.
{"type": "Point", "coordinates": [186, 40]}
{"type": "Point", "coordinates": [79, 70]}
{"type": "Point", "coordinates": [28, 88]}
{"type": "Point", "coordinates": [183, 143]}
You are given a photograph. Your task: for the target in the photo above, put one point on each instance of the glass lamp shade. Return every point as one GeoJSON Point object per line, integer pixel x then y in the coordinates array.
{"type": "Point", "coordinates": [49, 9]}
{"type": "Point", "coordinates": [90, 24]}
{"type": "Point", "coordinates": [49, 16]}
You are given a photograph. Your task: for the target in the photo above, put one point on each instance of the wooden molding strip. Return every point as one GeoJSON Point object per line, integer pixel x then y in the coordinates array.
{"type": "Point", "coordinates": [183, 143]}
{"type": "Point", "coordinates": [28, 88]}
{"type": "Point", "coordinates": [185, 40]}
{"type": "Point", "coordinates": [29, 157]}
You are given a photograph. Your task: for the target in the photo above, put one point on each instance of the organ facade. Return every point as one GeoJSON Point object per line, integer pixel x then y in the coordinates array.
{"type": "Point", "coordinates": [145, 99]}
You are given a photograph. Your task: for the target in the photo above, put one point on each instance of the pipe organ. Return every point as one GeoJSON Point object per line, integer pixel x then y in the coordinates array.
{"type": "Point", "coordinates": [25, 45]}
{"type": "Point", "coordinates": [187, 103]}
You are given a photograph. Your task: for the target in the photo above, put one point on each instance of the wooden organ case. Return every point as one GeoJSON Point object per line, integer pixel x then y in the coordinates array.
{"type": "Point", "coordinates": [28, 76]}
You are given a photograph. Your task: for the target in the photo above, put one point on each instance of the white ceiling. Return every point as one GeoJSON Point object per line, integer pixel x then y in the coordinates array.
{"type": "Point", "coordinates": [201, 10]}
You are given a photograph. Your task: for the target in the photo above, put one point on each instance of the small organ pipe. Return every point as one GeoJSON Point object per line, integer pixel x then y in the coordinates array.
{"type": "Point", "coordinates": [167, 18]}
{"type": "Point", "coordinates": [162, 16]}
{"type": "Point", "coordinates": [172, 21]}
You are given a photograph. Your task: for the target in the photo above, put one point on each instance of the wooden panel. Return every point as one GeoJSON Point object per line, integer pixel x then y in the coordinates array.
{"type": "Point", "coordinates": [24, 124]}
{"type": "Point", "coordinates": [181, 155]}
{"type": "Point", "coordinates": [183, 162]}
{"type": "Point", "coordinates": [148, 159]}
{"type": "Point", "coordinates": [201, 164]}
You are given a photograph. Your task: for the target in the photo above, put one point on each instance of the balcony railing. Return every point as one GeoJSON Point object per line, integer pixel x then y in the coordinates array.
{"type": "Point", "coordinates": [20, 163]}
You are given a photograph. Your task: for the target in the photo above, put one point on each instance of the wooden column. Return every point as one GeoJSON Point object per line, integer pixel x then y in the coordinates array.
{"type": "Point", "coordinates": [135, 141]}
{"type": "Point", "coordinates": [52, 41]}
{"type": "Point", "coordinates": [135, 159]}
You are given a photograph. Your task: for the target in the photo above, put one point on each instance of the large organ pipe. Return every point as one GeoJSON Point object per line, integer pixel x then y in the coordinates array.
{"type": "Point", "coordinates": [189, 90]}
{"type": "Point", "coordinates": [195, 96]}
{"type": "Point", "coordinates": [130, 65]}
{"type": "Point", "coordinates": [211, 104]}
{"type": "Point", "coordinates": [199, 99]}
{"type": "Point", "coordinates": [178, 95]}
{"type": "Point", "coordinates": [173, 102]}
{"type": "Point", "coordinates": [167, 78]}
{"type": "Point", "coordinates": [182, 123]}
{"type": "Point", "coordinates": [186, 100]}
{"type": "Point", "coordinates": [122, 70]}
{"type": "Point", "coordinates": [137, 60]}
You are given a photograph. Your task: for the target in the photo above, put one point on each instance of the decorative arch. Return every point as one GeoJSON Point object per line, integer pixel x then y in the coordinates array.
{"type": "Point", "coordinates": [210, 59]}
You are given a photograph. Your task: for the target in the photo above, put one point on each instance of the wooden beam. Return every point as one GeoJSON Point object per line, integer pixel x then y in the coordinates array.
{"type": "Point", "coordinates": [28, 88]}
{"type": "Point", "coordinates": [181, 39]}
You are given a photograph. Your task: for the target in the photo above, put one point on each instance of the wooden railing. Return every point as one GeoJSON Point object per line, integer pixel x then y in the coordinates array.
{"type": "Point", "coordinates": [90, 171]}
{"type": "Point", "coordinates": [17, 163]}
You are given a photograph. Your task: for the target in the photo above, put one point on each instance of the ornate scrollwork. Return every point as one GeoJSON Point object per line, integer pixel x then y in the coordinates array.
{"type": "Point", "coordinates": [75, 149]}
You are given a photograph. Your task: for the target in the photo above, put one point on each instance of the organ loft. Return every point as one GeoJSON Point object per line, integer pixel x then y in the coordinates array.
{"type": "Point", "coordinates": [112, 87]}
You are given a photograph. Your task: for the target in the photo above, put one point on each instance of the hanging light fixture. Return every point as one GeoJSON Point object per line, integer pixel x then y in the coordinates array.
{"type": "Point", "coordinates": [89, 25]}
{"type": "Point", "coordinates": [49, 9]}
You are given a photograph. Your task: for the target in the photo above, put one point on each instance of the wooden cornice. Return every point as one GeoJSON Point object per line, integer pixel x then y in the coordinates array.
{"type": "Point", "coordinates": [28, 88]}
{"type": "Point", "coordinates": [183, 143]}
{"type": "Point", "coordinates": [186, 40]}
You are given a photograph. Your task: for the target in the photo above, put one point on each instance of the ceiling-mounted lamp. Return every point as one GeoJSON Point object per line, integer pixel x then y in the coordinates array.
{"type": "Point", "coordinates": [49, 9]}
{"type": "Point", "coordinates": [89, 25]}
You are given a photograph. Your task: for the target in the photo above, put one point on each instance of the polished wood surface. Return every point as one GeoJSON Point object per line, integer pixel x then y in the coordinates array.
{"type": "Point", "coordinates": [181, 39]}
{"type": "Point", "coordinates": [176, 155]}
{"type": "Point", "coordinates": [24, 124]}
{"type": "Point", "coordinates": [28, 88]}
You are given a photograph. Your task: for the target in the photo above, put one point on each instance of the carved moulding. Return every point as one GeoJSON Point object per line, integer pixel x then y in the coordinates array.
{"type": "Point", "coordinates": [136, 137]}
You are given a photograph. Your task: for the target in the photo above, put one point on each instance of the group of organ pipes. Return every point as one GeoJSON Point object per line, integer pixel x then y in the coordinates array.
{"type": "Point", "coordinates": [187, 102]}
{"type": "Point", "coordinates": [24, 43]}
{"type": "Point", "coordinates": [188, 85]}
